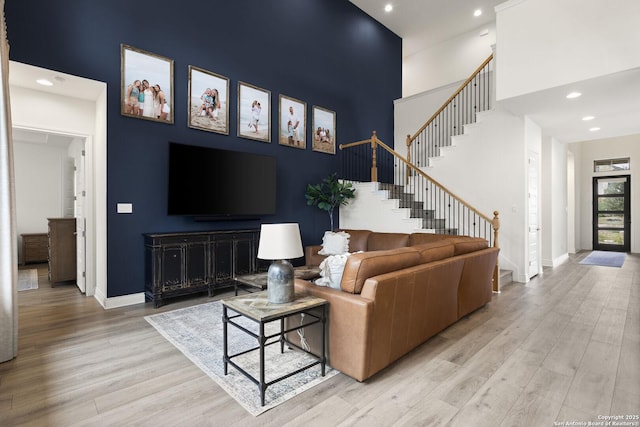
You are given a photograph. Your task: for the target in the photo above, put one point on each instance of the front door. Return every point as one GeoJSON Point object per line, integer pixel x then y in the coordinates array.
{"type": "Point", "coordinates": [611, 213]}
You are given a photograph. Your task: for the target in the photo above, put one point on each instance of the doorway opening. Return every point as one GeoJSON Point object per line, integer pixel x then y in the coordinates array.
{"type": "Point", "coordinates": [50, 189]}
{"type": "Point", "coordinates": [612, 213]}
{"type": "Point", "coordinates": [84, 116]}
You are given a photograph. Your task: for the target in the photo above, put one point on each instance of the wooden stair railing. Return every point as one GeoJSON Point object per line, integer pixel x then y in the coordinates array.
{"type": "Point", "coordinates": [466, 218]}
{"type": "Point", "coordinates": [473, 96]}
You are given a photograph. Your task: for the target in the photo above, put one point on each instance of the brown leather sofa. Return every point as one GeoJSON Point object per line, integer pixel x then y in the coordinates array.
{"type": "Point", "coordinates": [402, 290]}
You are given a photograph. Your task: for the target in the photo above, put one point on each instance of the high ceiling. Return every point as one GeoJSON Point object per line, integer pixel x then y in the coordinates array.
{"type": "Point", "coordinates": [613, 99]}
{"type": "Point", "coordinates": [424, 23]}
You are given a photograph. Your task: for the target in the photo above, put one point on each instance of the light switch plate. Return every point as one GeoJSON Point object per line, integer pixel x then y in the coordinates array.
{"type": "Point", "coordinates": [125, 208]}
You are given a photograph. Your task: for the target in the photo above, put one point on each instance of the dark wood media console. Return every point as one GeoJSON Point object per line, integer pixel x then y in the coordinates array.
{"type": "Point", "coordinates": [185, 263]}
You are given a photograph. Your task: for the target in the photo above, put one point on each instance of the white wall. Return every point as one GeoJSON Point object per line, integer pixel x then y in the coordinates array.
{"type": "Point", "coordinates": [546, 201]}
{"type": "Point", "coordinates": [97, 206]}
{"type": "Point", "coordinates": [554, 202]}
{"type": "Point", "coordinates": [559, 194]}
{"type": "Point", "coordinates": [487, 168]}
{"type": "Point", "coordinates": [43, 190]}
{"type": "Point", "coordinates": [381, 214]}
{"type": "Point", "coordinates": [584, 154]}
{"type": "Point", "coordinates": [572, 189]}
{"type": "Point", "coordinates": [410, 113]}
{"type": "Point", "coordinates": [38, 174]}
{"type": "Point", "coordinates": [53, 113]}
{"type": "Point", "coordinates": [449, 61]}
{"type": "Point", "coordinates": [576, 39]}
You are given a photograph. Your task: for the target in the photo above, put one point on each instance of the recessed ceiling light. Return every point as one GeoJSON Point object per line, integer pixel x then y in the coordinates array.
{"type": "Point", "coordinates": [477, 13]}
{"type": "Point", "coordinates": [44, 82]}
{"type": "Point", "coordinates": [594, 129]}
{"type": "Point", "coordinates": [388, 8]}
{"type": "Point", "coordinates": [573, 95]}
{"type": "Point", "coordinates": [587, 118]}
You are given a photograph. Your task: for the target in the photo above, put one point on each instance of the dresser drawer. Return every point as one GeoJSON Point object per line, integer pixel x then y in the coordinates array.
{"type": "Point", "coordinates": [35, 247]}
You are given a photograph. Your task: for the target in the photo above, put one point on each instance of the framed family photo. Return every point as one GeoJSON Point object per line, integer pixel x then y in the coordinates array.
{"type": "Point", "coordinates": [254, 112]}
{"type": "Point", "coordinates": [208, 101]}
{"type": "Point", "coordinates": [324, 130]}
{"type": "Point", "coordinates": [293, 123]}
{"type": "Point", "coordinates": [146, 85]}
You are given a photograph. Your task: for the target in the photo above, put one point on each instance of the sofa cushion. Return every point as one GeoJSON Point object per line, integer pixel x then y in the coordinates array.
{"type": "Point", "coordinates": [464, 245]}
{"type": "Point", "coordinates": [361, 266]}
{"type": "Point", "coordinates": [384, 241]}
{"type": "Point", "coordinates": [358, 239]}
{"type": "Point", "coordinates": [421, 238]}
{"type": "Point", "coordinates": [335, 243]}
{"type": "Point", "coordinates": [435, 251]}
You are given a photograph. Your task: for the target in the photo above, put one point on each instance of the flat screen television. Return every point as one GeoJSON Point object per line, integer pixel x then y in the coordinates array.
{"type": "Point", "coordinates": [211, 183]}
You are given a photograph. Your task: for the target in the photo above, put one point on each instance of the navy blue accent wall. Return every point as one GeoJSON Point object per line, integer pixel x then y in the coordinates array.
{"type": "Point", "coordinates": [323, 52]}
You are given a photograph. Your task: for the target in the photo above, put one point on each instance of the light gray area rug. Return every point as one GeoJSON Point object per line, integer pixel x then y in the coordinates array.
{"type": "Point", "coordinates": [27, 279]}
{"type": "Point", "coordinates": [605, 259]}
{"type": "Point", "coordinates": [197, 332]}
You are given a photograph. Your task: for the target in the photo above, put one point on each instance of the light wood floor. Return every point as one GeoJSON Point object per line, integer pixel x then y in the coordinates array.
{"type": "Point", "coordinates": [564, 347]}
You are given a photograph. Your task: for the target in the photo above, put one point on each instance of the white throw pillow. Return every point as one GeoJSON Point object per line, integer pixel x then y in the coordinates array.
{"type": "Point", "coordinates": [331, 269]}
{"type": "Point", "coordinates": [335, 243]}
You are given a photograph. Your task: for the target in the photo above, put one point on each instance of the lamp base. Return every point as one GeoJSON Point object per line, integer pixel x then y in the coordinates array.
{"type": "Point", "coordinates": [280, 282]}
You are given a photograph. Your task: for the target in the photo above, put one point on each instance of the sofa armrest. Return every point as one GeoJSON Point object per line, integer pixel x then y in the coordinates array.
{"type": "Point", "coordinates": [476, 283]}
{"type": "Point", "coordinates": [311, 256]}
{"type": "Point", "coordinates": [410, 306]}
{"type": "Point", "coordinates": [349, 328]}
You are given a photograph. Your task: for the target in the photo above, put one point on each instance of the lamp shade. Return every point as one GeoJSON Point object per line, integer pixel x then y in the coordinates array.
{"type": "Point", "coordinates": [280, 241]}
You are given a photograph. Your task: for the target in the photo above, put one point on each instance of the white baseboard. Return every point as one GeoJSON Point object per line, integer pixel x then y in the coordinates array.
{"type": "Point", "coordinates": [553, 263]}
{"type": "Point", "coordinates": [561, 259]}
{"type": "Point", "coordinates": [121, 301]}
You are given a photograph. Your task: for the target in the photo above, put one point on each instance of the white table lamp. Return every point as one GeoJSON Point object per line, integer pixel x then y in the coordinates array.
{"type": "Point", "coordinates": [280, 243]}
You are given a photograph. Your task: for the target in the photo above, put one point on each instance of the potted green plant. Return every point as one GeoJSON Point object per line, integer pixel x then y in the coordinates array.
{"type": "Point", "coordinates": [329, 194]}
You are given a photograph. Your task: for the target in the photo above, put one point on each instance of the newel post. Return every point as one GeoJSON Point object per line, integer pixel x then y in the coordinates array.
{"type": "Point", "coordinates": [374, 165]}
{"type": "Point", "coordinates": [409, 141]}
{"type": "Point", "coordinates": [496, 271]}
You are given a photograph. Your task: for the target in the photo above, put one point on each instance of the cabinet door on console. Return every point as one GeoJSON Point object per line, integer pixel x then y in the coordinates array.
{"type": "Point", "coordinates": [172, 267]}
{"type": "Point", "coordinates": [233, 254]}
{"type": "Point", "coordinates": [197, 254]}
{"type": "Point", "coordinates": [245, 252]}
{"type": "Point", "coordinates": [222, 259]}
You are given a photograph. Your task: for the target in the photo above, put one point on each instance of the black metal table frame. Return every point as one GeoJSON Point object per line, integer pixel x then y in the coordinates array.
{"type": "Point", "coordinates": [263, 342]}
{"type": "Point", "coordinates": [240, 285]}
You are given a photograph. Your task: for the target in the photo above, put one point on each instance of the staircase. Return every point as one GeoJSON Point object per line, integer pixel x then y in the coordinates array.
{"type": "Point", "coordinates": [407, 200]}
{"type": "Point", "coordinates": [427, 205]}
{"type": "Point", "coordinates": [392, 208]}
{"type": "Point", "coordinates": [506, 277]}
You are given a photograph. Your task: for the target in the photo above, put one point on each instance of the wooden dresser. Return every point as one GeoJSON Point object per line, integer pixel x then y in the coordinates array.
{"type": "Point", "coordinates": [35, 247]}
{"type": "Point", "coordinates": [62, 249]}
